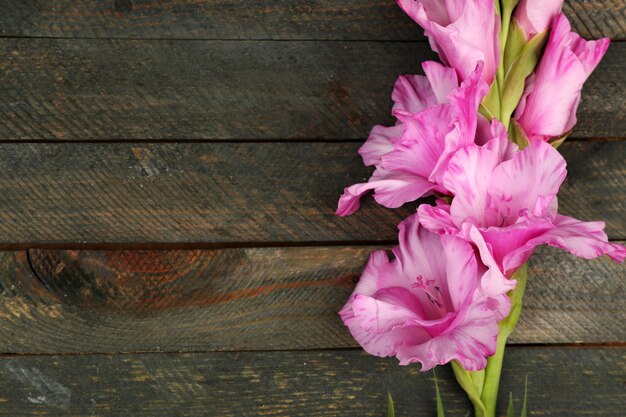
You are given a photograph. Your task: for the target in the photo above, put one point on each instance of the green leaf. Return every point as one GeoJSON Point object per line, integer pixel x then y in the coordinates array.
{"type": "Point", "coordinates": [556, 142]}
{"type": "Point", "coordinates": [525, 397]}
{"type": "Point", "coordinates": [510, 412]}
{"type": "Point", "coordinates": [472, 384]}
{"type": "Point", "coordinates": [390, 412]}
{"type": "Point", "coordinates": [517, 135]}
{"type": "Point", "coordinates": [515, 77]}
{"type": "Point", "coordinates": [440, 412]}
{"type": "Point", "coordinates": [490, 106]}
{"type": "Point", "coordinates": [514, 45]}
{"type": "Point", "coordinates": [478, 378]}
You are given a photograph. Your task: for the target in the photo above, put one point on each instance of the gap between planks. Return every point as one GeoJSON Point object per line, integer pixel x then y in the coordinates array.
{"type": "Point", "coordinates": [525, 346]}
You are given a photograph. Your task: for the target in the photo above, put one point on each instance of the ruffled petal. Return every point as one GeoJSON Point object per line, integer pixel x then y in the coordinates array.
{"type": "Point", "coordinates": [443, 80]}
{"type": "Point", "coordinates": [493, 283]}
{"type": "Point", "coordinates": [467, 179]}
{"type": "Point", "coordinates": [470, 343]}
{"type": "Point", "coordinates": [508, 245]}
{"type": "Point", "coordinates": [437, 219]}
{"type": "Point", "coordinates": [379, 142]}
{"type": "Point", "coordinates": [528, 182]}
{"type": "Point", "coordinates": [463, 105]}
{"type": "Point", "coordinates": [368, 283]}
{"type": "Point", "coordinates": [391, 189]}
{"type": "Point", "coordinates": [419, 252]}
{"type": "Point", "coordinates": [583, 239]}
{"type": "Point", "coordinates": [422, 144]}
{"type": "Point", "coordinates": [499, 142]}
{"type": "Point", "coordinates": [413, 93]}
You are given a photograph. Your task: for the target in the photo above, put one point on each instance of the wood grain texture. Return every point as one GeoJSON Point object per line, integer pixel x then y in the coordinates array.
{"type": "Point", "coordinates": [562, 382]}
{"type": "Point", "coordinates": [253, 299]}
{"type": "Point", "coordinates": [233, 192]}
{"type": "Point", "coordinates": [162, 90]}
{"type": "Point", "coordinates": [269, 19]}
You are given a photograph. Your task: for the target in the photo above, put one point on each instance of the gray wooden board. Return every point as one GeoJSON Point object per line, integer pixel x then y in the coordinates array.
{"type": "Point", "coordinates": [90, 89]}
{"type": "Point", "coordinates": [65, 301]}
{"type": "Point", "coordinates": [233, 192]}
{"type": "Point", "coordinates": [268, 19]}
{"type": "Point", "coordinates": [562, 382]}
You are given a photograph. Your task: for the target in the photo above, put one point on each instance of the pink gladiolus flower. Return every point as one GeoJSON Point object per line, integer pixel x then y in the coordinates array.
{"type": "Point", "coordinates": [507, 206]}
{"type": "Point", "coordinates": [548, 107]}
{"type": "Point", "coordinates": [462, 32]}
{"type": "Point", "coordinates": [426, 305]}
{"type": "Point", "coordinates": [536, 16]}
{"type": "Point", "coordinates": [436, 117]}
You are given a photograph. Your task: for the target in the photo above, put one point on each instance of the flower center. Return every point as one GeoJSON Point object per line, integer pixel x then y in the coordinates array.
{"type": "Point", "coordinates": [431, 290]}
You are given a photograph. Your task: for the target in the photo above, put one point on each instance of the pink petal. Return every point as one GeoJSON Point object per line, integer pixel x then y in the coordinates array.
{"type": "Point", "coordinates": [471, 342]}
{"type": "Point", "coordinates": [467, 178]}
{"type": "Point", "coordinates": [391, 189]}
{"type": "Point", "coordinates": [528, 182]}
{"type": "Point", "coordinates": [494, 284]}
{"type": "Point", "coordinates": [536, 16]}
{"type": "Point", "coordinates": [443, 80]}
{"type": "Point", "coordinates": [420, 147]}
{"type": "Point", "coordinates": [548, 108]}
{"type": "Point", "coordinates": [508, 245]}
{"type": "Point", "coordinates": [379, 143]}
{"type": "Point", "coordinates": [499, 142]}
{"type": "Point", "coordinates": [463, 33]}
{"type": "Point", "coordinates": [463, 106]}
{"type": "Point", "coordinates": [464, 103]}
{"type": "Point", "coordinates": [461, 270]}
{"type": "Point", "coordinates": [413, 93]}
{"type": "Point", "coordinates": [385, 344]}
{"type": "Point", "coordinates": [437, 219]}
{"type": "Point", "coordinates": [583, 239]}
{"type": "Point", "coordinates": [368, 283]}
{"type": "Point", "coordinates": [419, 252]}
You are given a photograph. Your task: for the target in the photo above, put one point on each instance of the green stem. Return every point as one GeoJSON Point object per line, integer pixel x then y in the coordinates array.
{"type": "Point", "coordinates": [493, 370]}
{"type": "Point", "coordinates": [489, 396]}
{"type": "Point", "coordinates": [507, 8]}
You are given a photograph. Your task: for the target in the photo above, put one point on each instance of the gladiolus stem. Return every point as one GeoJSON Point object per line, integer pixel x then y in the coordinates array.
{"type": "Point", "coordinates": [493, 370]}
{"type": "Point", "coordinates": [506, 12]}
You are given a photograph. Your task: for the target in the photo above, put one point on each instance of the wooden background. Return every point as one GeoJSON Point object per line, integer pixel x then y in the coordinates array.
{"type": "Point", "coordinates": [169, 173]}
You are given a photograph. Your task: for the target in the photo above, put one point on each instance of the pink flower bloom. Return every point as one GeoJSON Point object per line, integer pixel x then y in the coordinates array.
{"type": "Point", "coordinates": [536, 16]}
{"type": "Point", "coordinates": [436, 117]}
{"type": "Point", "coordinates": [507, 206]}
{"type": "Point", "coordinates": [462, 32]}
{"type": "Point", "coordinates": [426, 305]}
{"type": "Point", "coordinates": [548, 107]}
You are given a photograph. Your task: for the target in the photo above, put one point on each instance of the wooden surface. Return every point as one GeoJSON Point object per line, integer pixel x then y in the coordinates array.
{"type": "Point", "coordinates": [266, 19]}
{"type": "Point", "coordinates": [169, 173]}
{"type": "Point", "coordinates": [233, 193]}
{"type": "Point", "coordinates": [60, 301]}
{"type": "Point", "coordinates": [82, 89]}
{"type": "Point", "coordinates": [311, 384]}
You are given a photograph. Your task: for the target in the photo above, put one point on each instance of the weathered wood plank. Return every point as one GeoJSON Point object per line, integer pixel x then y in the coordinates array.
{"type": "Point", "coordinates": [233, 192]}
{"type": "Point", "coordinates": [253, 299]}
{"type": "Point", "coordinates": [270, 19]}
{"type": "Point", "coordinates": [156, 89]}
{"type": "Point", "coordinates": [312, 384]}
